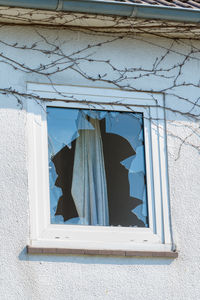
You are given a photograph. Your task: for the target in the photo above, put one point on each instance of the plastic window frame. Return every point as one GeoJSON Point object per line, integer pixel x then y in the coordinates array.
{"type": "Point", "coordinates": [157, 237]}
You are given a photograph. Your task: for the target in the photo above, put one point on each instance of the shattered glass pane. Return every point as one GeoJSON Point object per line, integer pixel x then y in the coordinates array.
{"type": "Point", "coordinates": [96, 168]}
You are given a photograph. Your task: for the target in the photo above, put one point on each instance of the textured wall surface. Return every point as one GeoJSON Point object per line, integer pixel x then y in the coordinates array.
{"type": "Point", "coordinates": [49, 277]}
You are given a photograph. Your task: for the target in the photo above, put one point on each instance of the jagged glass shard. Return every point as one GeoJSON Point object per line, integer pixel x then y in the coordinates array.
{"type": "Point", "coordinates": [141, 135]}
{"type": "Point", "coordinates": [138, 161]}
{"type": "Point", "coordinates": [83, 123]}
{"type": "Point", "coordinates": [144, 204]}
{"type": "Point", "coordinates": [76, 221]}
{"type": "Point", "coordinates": [136, 181]}
{"type": "Point", "coordinates": [58, 219]}
{"type": "Point", "coordinates": [55, 194]}
{"type": "Point", "coordinates": [127, 163]}
{"type": "Point", "coordinates": [135, 163]}
{"type": "Point", "coordinates": [62, 127]}
{"type": "Point", "coordinates": [94, 114]}
{"type": "Point", "coordinates": [141, 210]}
{"type": "Point", "coordinates": [126, 125]}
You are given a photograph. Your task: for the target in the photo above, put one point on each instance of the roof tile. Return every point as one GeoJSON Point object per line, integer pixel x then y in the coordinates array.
{"type": "Point", "coordinates": [188, 4]}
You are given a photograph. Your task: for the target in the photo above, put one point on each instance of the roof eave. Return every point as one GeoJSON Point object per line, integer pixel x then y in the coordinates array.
{"type": "Point", "coordinates": [110, 8]}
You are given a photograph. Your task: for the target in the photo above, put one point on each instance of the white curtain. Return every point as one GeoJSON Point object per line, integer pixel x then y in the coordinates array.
{"type": "Point", "coordinates": [89, 189]}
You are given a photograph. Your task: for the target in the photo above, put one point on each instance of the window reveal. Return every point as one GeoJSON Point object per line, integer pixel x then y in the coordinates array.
{"type": "Point", "coordinates": [96, 167]}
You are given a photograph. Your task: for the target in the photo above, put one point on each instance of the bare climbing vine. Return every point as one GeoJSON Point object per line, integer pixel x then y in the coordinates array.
{"type": "Point", "coordinates": [67, 45]}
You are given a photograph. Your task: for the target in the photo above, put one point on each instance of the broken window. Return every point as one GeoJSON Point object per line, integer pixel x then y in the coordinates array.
{"type": "Point", "coordinates": [96, 168]}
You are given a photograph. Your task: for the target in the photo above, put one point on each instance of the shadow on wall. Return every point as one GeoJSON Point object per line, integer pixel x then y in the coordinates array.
{"type": "Point", "coordinates": [94, 259]}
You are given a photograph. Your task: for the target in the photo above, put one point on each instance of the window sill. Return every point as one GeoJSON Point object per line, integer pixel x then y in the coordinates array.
{"type": "Point", "coordinates": [127, 253]}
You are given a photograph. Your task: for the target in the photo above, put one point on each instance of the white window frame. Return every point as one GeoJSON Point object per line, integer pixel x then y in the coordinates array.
{"type": "Point", "coordinates": [157, 237]}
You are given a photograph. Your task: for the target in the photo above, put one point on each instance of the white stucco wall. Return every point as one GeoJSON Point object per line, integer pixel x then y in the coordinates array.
{"type": "Point", "coordinates": [36, 277]}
